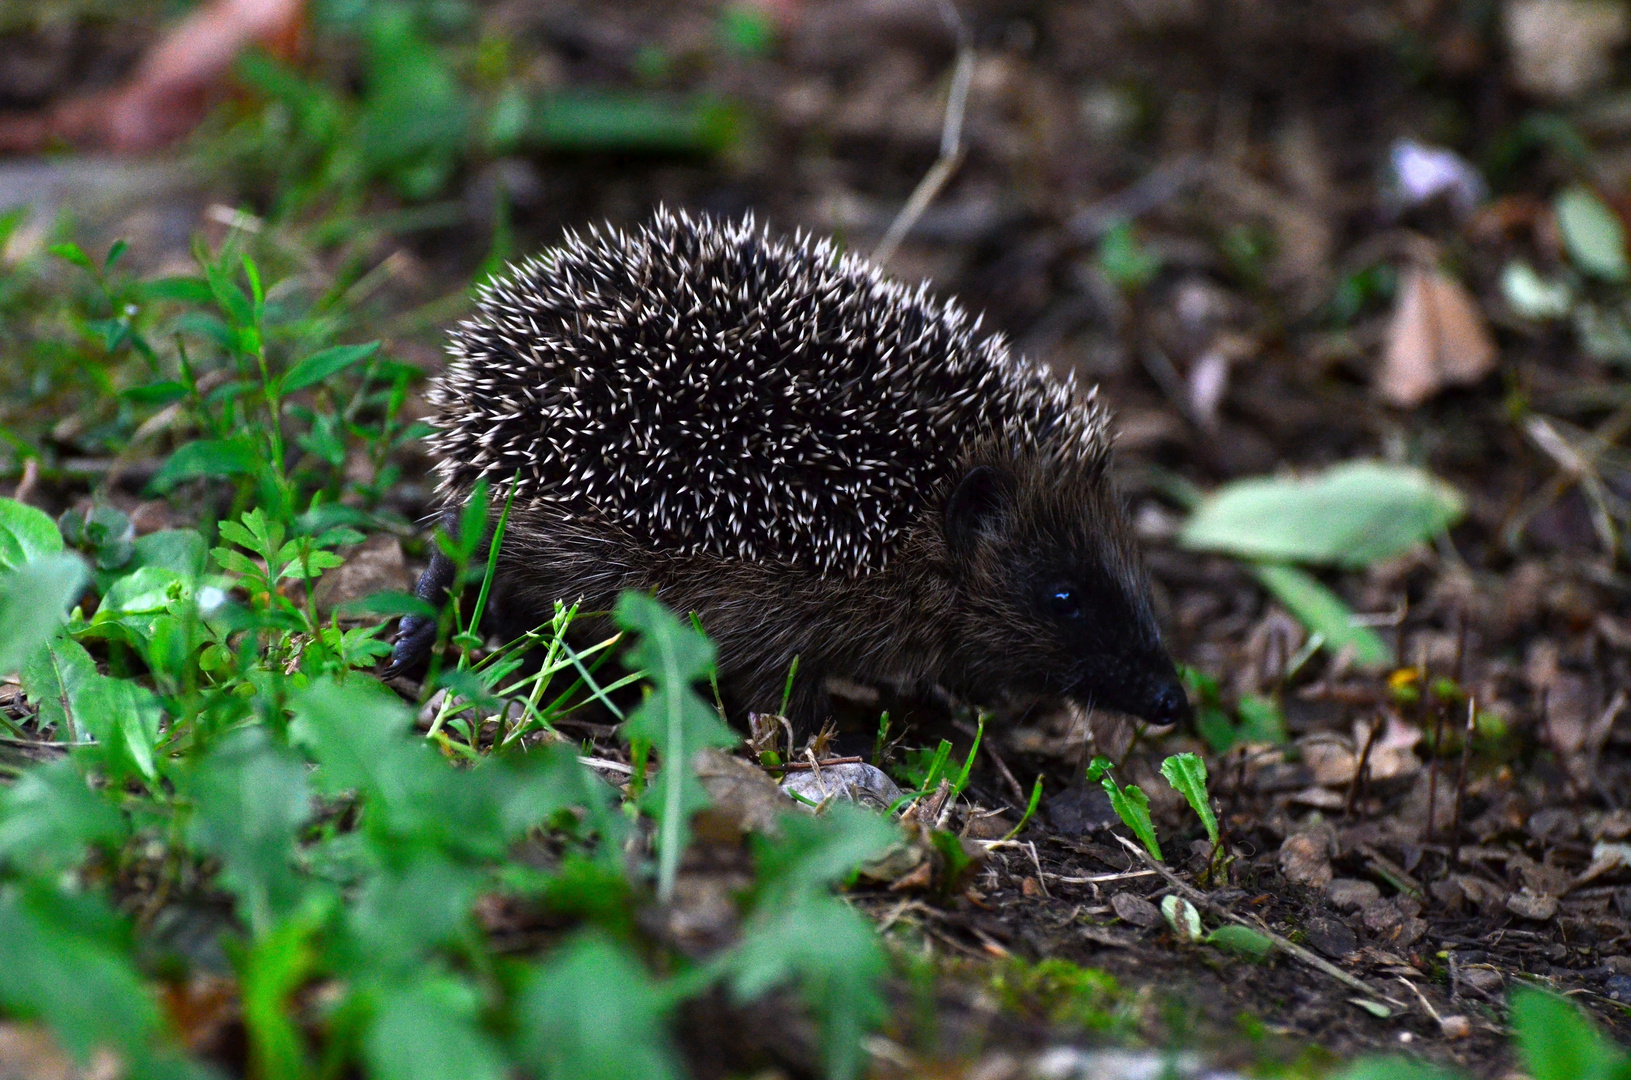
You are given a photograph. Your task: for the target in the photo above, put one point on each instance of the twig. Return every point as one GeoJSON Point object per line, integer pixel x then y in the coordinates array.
{"type": "Point", "coordinates": [1002, 767]}
{"type": "Point", "coordinates": [1461, 782]}
{"type": "Point", "coordinates": [30, 480]}
{"type": "Point", "coordinates": [1295, 951]}
{"type": "Point", "coordinates": [951, 141]}
{"type": "Point", "coordinates": [1359, 771]}
{"type": "Point", "coordinates": [609, 766]}
{"type": "Point", "coordinates": [1098, 879]}
{"type": "Point", "coordinates": [823, 763]}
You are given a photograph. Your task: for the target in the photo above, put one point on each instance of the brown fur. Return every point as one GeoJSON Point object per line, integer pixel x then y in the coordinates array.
{"type": "Point", "coordinates": [933, 617]}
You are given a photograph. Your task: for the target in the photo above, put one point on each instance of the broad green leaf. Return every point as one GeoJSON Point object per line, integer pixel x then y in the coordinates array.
{"type": "Point", "coordinates": [593, 1012]}
{"type": "Point", "coordinates": [181, 551]}
{"type": "Point", "coordinates": [1182, 917]}
{"type": "Point", "coordinates": [250, 801]}
{"type": "Point", "coordinates": [25, 534]}
{"type": "Point", "coordinates": [814, 853]}
{"type": "Point", "coordinates": [67, 964]}
{"type": "Point", "coordinates": [321, 365]}
{"type": "Point", "coordinates": [213, 458]}
{"type": "Point", "coordinates": [1324, 613]}
{"type": "Point", "coordinates": [34, 601]}
{"type": "Point", "coordinates": [148, 590]}
{"type": "Point", "coordinates": [674, 719]}
{"type": "Point", "coordinates": [1352, 515]}
{"type": "Point", "coordinates": [429, 1030]}
{"type": "Point", "coordinates": [1187, 773]}
{"type": "Point", "coordinates": [402, 913]}
{"type": "Point", "coordinates": [1243, 940]}
{"type": "Point", "coordinates": [1132, 806]}
{"type": "Point", "coordinates": [49, 816]}
{"type": "Point", "coordinates": [1558, 1043]}
{"type": "Point", "coordinates": [1593, 234]}
{"type": "Point", "coordinates": [57, 679]}
{"type": "Point", "coordinates": [832, 952]}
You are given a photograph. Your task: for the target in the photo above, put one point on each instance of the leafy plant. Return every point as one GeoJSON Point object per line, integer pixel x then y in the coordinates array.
{"type": "Point", "coordinates": [1352, 515]}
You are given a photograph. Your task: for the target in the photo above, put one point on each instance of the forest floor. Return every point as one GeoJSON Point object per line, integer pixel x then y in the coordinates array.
{"type": "Point", "coordinates": [1198, 207]}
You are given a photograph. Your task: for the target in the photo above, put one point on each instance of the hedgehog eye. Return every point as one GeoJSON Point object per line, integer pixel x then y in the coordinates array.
{"type": "Point", "coordinates": [1062, 602]}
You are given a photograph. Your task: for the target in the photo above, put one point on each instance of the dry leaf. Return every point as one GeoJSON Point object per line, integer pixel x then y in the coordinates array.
{"type": "Point", "coordinates": [1437, 338]}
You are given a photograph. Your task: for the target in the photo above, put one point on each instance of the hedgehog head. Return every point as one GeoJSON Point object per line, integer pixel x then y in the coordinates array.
{"type": "Point", "coordinates": [1053, 600]}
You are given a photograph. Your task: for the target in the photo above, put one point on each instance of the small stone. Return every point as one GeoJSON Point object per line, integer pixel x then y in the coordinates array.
{"type": "Point", "coordinates": [1455, 1027]}
{"type": "Point", "coordinates": [1618, 987]}
{"type": "Point", "coordinates": [1486, 979]}
{"type": "Point", "coordinates": [1530, 905]}
{"type": "Point", "coordinates": [1350, 894]}
{"type": "Point", "coordinates": [1554, 825]}
{"type": "Point", "coordinates": [373, 566]}
{"type": "Point", "coordinates": [854, 781]}
{"type": "Point", "coordinates": [987, 827]}
{"type": "Point", "coordinates": [1135, 909]}
{"type": "Point", "coordinates": [1331, 937]}
{"type": "Point", "coordinates": [1304, 859]}
{"type": "Point", "coordinates": [1382, 917]}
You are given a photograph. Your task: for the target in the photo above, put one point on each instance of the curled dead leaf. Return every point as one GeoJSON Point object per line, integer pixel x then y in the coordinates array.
{"type": "Point", "coordinates": [1438, 338]}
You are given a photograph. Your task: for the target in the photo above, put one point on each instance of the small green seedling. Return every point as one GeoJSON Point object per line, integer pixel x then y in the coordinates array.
{"type": "Point", "coordinates": [1130, 804]}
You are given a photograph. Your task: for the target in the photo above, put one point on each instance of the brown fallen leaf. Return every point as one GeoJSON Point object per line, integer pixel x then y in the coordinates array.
{"type": "Point", "coordinates": [171, 88]}
{"type": "Point", "coordinates": [1437, 338]}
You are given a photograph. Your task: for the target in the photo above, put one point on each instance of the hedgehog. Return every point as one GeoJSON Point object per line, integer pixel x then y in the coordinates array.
{"type": "Point", "coordinates": [816, 460]}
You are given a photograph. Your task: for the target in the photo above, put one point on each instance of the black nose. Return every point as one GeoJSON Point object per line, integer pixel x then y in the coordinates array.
{"type": "Point", "coordinates": [1169, 704]}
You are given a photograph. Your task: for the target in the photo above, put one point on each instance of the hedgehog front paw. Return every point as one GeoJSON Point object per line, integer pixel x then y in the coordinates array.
{"type": "Point", "coordinates": [415, 637]}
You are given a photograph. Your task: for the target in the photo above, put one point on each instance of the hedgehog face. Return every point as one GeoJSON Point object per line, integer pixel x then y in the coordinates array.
{"type": "Point", "coordinates": [1053, 594]}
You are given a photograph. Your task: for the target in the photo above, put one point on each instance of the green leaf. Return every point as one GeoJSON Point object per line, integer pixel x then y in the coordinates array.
{"type": "Point", "coordinates": [814, 853]}
{"type": "Point", "coordinates": [67, 960]}
{"type": "Point", "coordinates": [674, 719]}
{"type": "Point", "coordinates": [1532, 296]}
{"type": "Point", "coordinates": [1558, 1043]}
{"type": "Point", "coordinates": [386, 604]}
{"type": "Point", "coordinates": [429, 1029]}
{"type": "Point", "coordinates": [58, 680]}
{"type": "Point", "coordinates": [25, 534]}
{"type": "Point", "coordinates": [250, 801]}
{"type": "Point", "coordinates": [1133, 807]}
{"type": "Point", "coordinates": [215, 458]}
{"type": "Point", "coordinates": [1394, 1068]}
{"type": "Point", "coordinates": [50, 815]}
{"type": "Point", "coordinates": [73, 253]}
{"type": "Point", "coordinates": [402, 913]}
{"type": "Point", "coordinates": [1352, 515]}
{"type": "Point", "coordinates": [1187, 773]}
{"type": "Point", "coordinates": [187, 290]}
{"type": "Point", "coordinates": [322, 365]}
{"type": "Point", "coordinates": [833, 953]}
{"type": "Point", "coordinates": [591, 120]}
{"type": "Point", "coordinates": [592, 1012]}
{"type": "Point", "coordinates": [1243, 940]}
{"type": "Point", "coordinates": [1593, 234]}
{"type": "Point", "coordinates": [1124, 260]}
{"type": "Point", "coordinates": [1324, 613]}
{"type": "Point", "coordinates": [270, 971]}
{"type": "Point", "coordinates": [34, 600]}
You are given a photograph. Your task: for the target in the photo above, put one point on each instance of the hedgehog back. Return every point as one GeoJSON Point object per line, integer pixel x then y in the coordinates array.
{"type": "Point", "coordinates": [711, 390]}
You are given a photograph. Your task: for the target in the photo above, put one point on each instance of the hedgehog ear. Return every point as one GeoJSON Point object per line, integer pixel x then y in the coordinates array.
{"type": "Point", "coordinates": [975, 508]}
